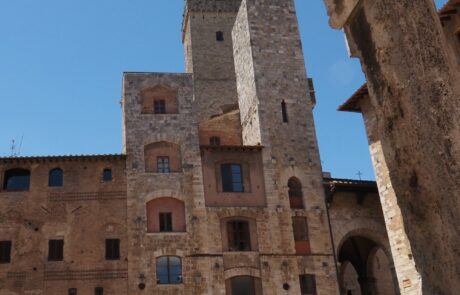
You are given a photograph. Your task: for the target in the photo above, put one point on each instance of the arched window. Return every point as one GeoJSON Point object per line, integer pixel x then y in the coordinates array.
{"type": "Point", "coordinates": [16, 180]}
{"type": "Point", "coordinates": [284, 111]}
{"type": "Point", "coordinates": [169, 270]}
{"type": "Point", "coordinates": [238, 234]}
{"type": "Point", "coordinates": [56, 177]}
{"type": "Point", "coordinates": [244, 285]}
{"type": "Point", "coordinates": [219, 36]}
{"type": "Point", "coordinates": [232, 178]}
{"type": "Point", "coordinates": [107, 175]}
{"type": "Point", "coordinates": [295, 193]}
{"type": "Point", "coordinates": [301, 238]}
{"type": "Point", "coordinates": [165, 215]}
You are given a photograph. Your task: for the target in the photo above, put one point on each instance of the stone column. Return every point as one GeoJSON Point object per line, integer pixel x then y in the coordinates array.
{"type": "Point", "coordinates": [414, 91]}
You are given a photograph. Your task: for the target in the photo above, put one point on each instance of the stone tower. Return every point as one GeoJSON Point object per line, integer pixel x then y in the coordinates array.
{"type": "Point", "coordinates": [223, 172]}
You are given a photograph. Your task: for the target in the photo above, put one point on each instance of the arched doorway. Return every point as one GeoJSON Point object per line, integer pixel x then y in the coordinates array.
{"type": "Point", "coordinates": [365, 268]}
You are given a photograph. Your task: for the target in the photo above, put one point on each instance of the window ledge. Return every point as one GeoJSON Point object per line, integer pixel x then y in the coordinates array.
{"type": "Point", "coordinates": [167, 234]}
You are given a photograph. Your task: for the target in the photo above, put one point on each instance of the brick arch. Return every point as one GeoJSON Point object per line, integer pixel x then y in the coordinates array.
{"type": "Point", "coordinates": [387, 276]}
{"type": "Point", "coordinates": [157, 93]}
{"type": "Point", "coordinates": [162, 149]}
{"type": "Point", "coordinates": [161, 193]}
{"type": "Point", "coordinates": [245, 273]}
{"type": "Point", "coordinates": [242, 271]}
{"type": "Point", "coordinates": [165, 205]}
{"type": "Point", "coordinates": [372, 231]}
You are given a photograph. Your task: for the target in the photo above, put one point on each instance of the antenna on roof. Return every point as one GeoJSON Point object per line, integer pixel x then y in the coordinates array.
{"type": "Point", "coordinates": [16, 151]}
{"type": "Point", "coordinates": [359, 174]}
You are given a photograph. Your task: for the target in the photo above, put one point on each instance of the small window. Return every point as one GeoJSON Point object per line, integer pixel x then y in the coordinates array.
{"type": "Point", "coordinates": [169, 270]}
{"type": "Point", "coordinates": [72, 291]}
{"type": "Point", "coordinates": [56, 250]}
{"type": "Point", "coordinates": [219, 36]}
{"type": "Point", "coordinates": [16, 180]}
{"type": "Point", "coordinates": [307, 284]}
{"type": "Point", "coordinates": [284, 111]}
{"type": "Point", "coordinates": [300, 228]}
{"type": "Point", "coordinates": [159, 106]}
{"type": "Point", "coordinates": [56, 178]}
{"type": "Point", "coordinates": [163, 165]}
{"type": "Point", "coordinates": [238, 236]}
{"type": "Point", "coordinates": [243, 285]}
{"type": "Point", "coordinates": [166, 222]}
{"type": "Point", "coordinates": [5, 252]}
{"type": "Point", "coordinates": [107, 175]}
{"type": "Point", "coordinates": [295, 193]}
{"type": "Point", "coordinates": [232, 178]}
{"type": "Point", "coordinates": [98, 291]}
{"type": "Point", "coordinates": [214, 140]}
{"type": "Point", "coordinates": [112, 249]}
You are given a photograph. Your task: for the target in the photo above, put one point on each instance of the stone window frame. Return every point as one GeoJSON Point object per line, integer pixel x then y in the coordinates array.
{"type": "Point", "coordinates": [253, 234]}
{"type": "Point", "coordinates": [245, 167]}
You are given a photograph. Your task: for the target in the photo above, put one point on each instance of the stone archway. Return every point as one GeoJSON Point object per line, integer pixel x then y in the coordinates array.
{"type": "Point", "coordinates": [365, 268]}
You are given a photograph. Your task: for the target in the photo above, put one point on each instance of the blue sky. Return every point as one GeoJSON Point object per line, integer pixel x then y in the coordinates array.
{"type": "Point", "coordinates": [61, 64]}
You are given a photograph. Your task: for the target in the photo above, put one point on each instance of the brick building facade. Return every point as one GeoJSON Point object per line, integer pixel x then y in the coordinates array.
{"type": "Point", "coordinates": [219, 189]}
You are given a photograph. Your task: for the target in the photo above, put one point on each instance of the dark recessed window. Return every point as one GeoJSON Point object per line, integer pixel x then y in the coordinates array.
{"type": "Point", "coordinates": [214, 140]}
{"type": "Point", "coordinates": [232, 178]}
{"type": "Point", "coordinates": [56, 178]}
{"type": "Point", "coordinates": [166, 222]}
{"type": "Point", "coordinates": [295, 193]}
{"type": "Point", "coordinates": [163, 165]}
{"type": "Point", "coordinates": [98, 291]}
{"type": "Point", "coordinates": [239, 238]}
{"type": "Point", "coordinates": [219, 36]}
{"type": "Point", "coordinates": [300, 228]}
{"type": "Point", "coordinates": [16, 180]}
{"type": "Point", "coordinates": [159, 106]}
{"type": "Point", "coordinates": [112, 249]}
{"type": "Point", "coordinates": [284, 111]}
{"type": "Point", "coordinates": [307, 284]}
{"type": "Point", "coordinates": [243, 285]}
{"type": "Point", "coordinates": [107, 174]}
{"type": "Point", "coordinates": [72, 291]}
{"type": "Point", "coordinates": [169, 270]}
{"type": "Point", "coordinates": [55, 250]}
{"type": "Point", "coordinates": [5, 251]}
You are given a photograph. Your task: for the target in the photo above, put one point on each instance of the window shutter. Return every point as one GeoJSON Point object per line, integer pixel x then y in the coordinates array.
{"type": "Point", "coordinates": [226, 171]}
{"type": "Point", "coordinates": [231, 235]}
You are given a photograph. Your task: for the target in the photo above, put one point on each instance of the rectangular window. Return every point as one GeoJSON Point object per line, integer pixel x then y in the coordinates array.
{"type": "Point", "coordinates": [112, 249]}
{"type": "Point", "coordinates": [163, 165]}
{"type": "Point", "coordinates": [239, 238]}
{"type": "Point", "coordinates": [98, 291]}
{"type": "Point", "coordinates": [214, 140]}
{"type": "Point", "coordinates": [5, 251]}
{"type": "Point", "coordinates": [159, 106]}
{"type": "Point", "coordinates": [307, 284]}
{"type": "Point", "coordinates": [107, 175]}
{"type": "Point", "coordinates": [232, 178]}
{"type": "Point", "coordinates": [55, 250]}
{"type": "Point", "coordinates": [166, 222]}
{"type": "Point", "coordinates": [284, 111]}
{"type": "Point", "coordinates": [300, 228]}
{"type": "Point", "coordinates": [72, 291]}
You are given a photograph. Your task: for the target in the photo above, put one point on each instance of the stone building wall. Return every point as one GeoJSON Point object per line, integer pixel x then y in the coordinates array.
{"type": "Point", "coordinates": [83, 212]}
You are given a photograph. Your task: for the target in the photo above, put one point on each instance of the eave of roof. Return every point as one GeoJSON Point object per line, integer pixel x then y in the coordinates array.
{"type": "Point", "coordinates": [62, 158]}
{"type": "Point", "coordinates": [353, 103]}
{"type": "Point", "coordinates": [229, 148]}
{"type": "Point", "coordinates": [449, 8]}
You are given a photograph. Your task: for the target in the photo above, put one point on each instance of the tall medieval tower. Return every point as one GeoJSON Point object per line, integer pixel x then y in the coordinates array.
{"type": "Point", "coordinates": [224, 178]}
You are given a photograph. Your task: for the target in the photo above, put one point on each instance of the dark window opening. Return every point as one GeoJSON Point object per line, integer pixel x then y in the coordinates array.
{"type": "Point", "coordinates": [5, 251]}
{"type": "Point", "coordinates": [107, 175]}
{"type": "Point", "coordinates": [163, 165]}
{"type": "Point", "coordinates": [349, 292]}
{"type": "Point", "coordinates": [307, 284]}
{"type": "Point", "coordinates": [239, 238]}
{"type": "Point", "coordinates": [295, 193]}
{"type": "Point", "coordinates": [159, 106]}
{"type": "Point", "coordinates": [166, 222]}
{"type": "Point", "coordinates": [169, 270]}
{"type": "Point", "coordinates": [55, 250]}
{"type": "Point", "coordinates": [243, 285]}
{"type": "Point", "coordinates": [284, 111]}
{"type": "Point", "coordinates": [300, 228]}
{"type": "Point", "coordinates": [98, 291]}
{"type": "Point", "coordinates": [232, 178]}
{"type": "Point", "coordinates": [214, 140]}
{"type": "Point", "coordinates": [72, 291]}
{"type": "Point", "coordinates": [16, 180]}
{"type": "Point", "coordinates": [112, 249]}
{"type": "Point", "coordinates": [56, 178]}
{"type": "Point", "coordinates": [219, 36]}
